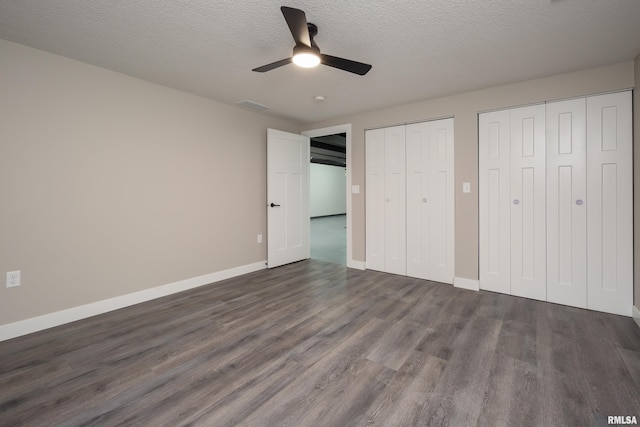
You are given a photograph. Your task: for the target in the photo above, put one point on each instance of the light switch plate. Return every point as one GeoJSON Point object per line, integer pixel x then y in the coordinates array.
{"type": "Point", "coordinates": [466, 187]}
{"type": "Point", "coordinates": [355, 189]}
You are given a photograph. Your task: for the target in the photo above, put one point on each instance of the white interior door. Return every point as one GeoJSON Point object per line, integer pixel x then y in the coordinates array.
{"type": "Point", "coordinates": [494, 204]}
{"type": "Point", "coordinates": [528, 229]}
{"type": "Point", "coordinates": [287, 197]}
{"type": "Point", "coordinates": [385, 204]}
{"type": "Point", "coordinates": [566, 203]}
{"type": "Point", "coordinates": [442, 249]}
{"type": "Point", "coordinates": [430, 200]}
{"type": "Point", "coordinates": [395, 259]}
{"type": "Point", "coordinates": [582, 254]}
{"type": "Point", "coordinates": [375, 199]}
{"type": "Point", "coordinates": [610, 203]}
{"type": "Point", "coordinates": [418, 198]}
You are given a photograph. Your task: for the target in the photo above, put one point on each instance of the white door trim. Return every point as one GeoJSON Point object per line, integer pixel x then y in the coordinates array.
{"type": "Point", "coordinates": [332, 130]}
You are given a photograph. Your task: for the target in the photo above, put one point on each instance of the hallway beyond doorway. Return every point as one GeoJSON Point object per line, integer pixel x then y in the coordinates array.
{"type": "Point", "coordinates": [329, 239]}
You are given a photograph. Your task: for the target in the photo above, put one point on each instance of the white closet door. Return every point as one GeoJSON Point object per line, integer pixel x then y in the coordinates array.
{"type": "Point", "coordinates": [528, 230]}
{"type": "Point", "coordinates": [494, 210]}
{"type": "Point", "coordinates": [375, 201]}
{"type": "Point", "coordinates": [430, 201]}
{"type": "Point", "coordinates": [395, 259]}
{"type": "Point", "coordinates": [567, 203]}
{"type": "Point", "coordinates": [441, 202]}
{"type": "Point", "coordinates": [418, 196]}
{"type": "Point", "coordinates": [610, 203]}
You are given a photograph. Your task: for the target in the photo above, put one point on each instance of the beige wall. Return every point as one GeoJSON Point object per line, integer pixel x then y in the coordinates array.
{"type": "Point", "coordinates": [636, 184]}
{"type": "Point", "coordinates": [111, 185]}
{"type": "Point", "coordinates": [464, 108]}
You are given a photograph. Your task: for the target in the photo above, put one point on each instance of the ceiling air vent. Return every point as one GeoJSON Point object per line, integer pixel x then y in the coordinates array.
{"type": "Point", "coordinates": [253, 105]}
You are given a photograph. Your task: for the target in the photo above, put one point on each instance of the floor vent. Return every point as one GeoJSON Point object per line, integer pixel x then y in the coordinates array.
{"type": "Point", "coordinates": [253, 105]}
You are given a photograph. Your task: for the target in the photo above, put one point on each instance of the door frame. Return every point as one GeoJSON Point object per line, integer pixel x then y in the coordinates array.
{"type": "Point", "coordinates": [332, 130]}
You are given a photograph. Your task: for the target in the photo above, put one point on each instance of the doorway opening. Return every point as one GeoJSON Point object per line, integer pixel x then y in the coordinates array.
{"type": "Point", "coordinates": [328, 198]}
{"type": "Point", "coordinates": [329, 195]}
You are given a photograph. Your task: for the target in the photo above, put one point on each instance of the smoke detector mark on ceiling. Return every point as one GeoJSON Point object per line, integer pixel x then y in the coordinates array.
{"type": "Point", "coordinates": [252, 105]}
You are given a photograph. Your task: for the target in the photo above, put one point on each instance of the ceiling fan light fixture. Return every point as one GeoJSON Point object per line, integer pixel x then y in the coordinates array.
{"type": "Point", "coordinates": [306, 52]}
{"type": "Point", "coordinates": [306, 57]}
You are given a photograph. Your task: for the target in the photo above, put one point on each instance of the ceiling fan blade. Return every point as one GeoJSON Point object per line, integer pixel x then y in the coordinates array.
{"type": "Point", "coordinates": [297, 22]}
{"type": "Point", "coordinates": [273, 65]}
{"type": "Point", "coordinates": [345, 64]}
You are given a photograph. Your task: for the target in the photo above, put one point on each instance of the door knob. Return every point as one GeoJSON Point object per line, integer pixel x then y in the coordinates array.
{"type": "Point", "coordinates": [273, 205]}
{"type": "Point", "coordinates": [516, 202]}
{"type": "Point", "coordinates": [578, 202]}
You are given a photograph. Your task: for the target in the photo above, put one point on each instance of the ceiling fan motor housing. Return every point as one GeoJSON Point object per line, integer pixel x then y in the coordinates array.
{"type": "Point", "coordinates": [299, 49]}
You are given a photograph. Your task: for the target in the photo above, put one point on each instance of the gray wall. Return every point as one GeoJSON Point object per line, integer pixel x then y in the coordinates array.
{"type": "Point", "coordinates": [465, 108]}
{"type": "Point", "coordinates": [111, 185]}
{"type": "Point", "coordinates": [327, 192]}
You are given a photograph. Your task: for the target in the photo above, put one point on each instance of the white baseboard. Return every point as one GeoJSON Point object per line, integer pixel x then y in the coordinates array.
{"type": "Point", "coordinates": [35, 324]}
{"type": "Point", "coordinates": [461, 282]}
{"type": "Point", "coordinates": [360, 265]}
{"type": "Point", "coordinates": [635, 312]}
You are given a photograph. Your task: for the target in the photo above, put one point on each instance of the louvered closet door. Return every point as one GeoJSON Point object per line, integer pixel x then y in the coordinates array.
{"type": "Point", "coordinates": [494, 204]}
{"type": "Point", "coordinates": [610, 203]}
{"type": "Point", "coordinates": [567, 203]}
{"type": "Point", "coordinates": [375, 202]}
{"type": "Point", "coordinates": [528, 230]}
{"type": "Point", "coordinates": [430, 203]}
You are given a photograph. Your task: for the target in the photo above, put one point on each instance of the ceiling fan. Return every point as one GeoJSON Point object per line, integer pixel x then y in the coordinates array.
{"type": "Point", "coordinates": [306, 52]}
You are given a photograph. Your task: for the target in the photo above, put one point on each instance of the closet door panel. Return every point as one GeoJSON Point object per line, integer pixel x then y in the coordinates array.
{"type": "Point", "coordinates": [566, 203]}
{"type": "Point", "coordinates": [395, 259]}
{"type": "Point", "coordinates": [610, 203]}
{"type": "Point", "coordinates": [494, 204]}
{"type": "Point", "coordinates": [375, 202]}
{"type": "Point", "coordinates": [441, 201]}
{"type": "Point", "coordinates": [430, 208]}
{"type": "Point", "coordinates": [528, 230]}
{"type": "Point", "coordinates": [418, 198]}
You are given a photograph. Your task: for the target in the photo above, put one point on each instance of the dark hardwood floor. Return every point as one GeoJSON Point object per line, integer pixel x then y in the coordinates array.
{"type": "Point", "coordinates": [316, 344]}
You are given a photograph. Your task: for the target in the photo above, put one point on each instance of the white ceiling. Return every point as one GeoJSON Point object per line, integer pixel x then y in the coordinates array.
{"type": "Point", "coordinates": [419, 49]}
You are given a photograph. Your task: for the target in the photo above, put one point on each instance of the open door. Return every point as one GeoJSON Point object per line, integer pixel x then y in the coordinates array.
{"type": "Point", "coordinates": [287, 197]}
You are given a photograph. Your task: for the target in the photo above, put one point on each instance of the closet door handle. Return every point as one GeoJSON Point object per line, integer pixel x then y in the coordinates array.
{"type": "Point", "coordinates": [516, 201]}
{"type": "Point", "coordinates": [273, 205]}
{"type": "Point", "coordinates": [579, 202]}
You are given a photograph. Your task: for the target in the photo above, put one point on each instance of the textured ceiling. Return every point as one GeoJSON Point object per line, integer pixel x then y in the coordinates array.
{"type": "Point", "coordinates": [419, 49]}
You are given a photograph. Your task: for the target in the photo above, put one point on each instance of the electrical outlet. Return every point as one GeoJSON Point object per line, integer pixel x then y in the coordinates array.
{"type": "Point", "coordinates": [259, 238]}
{"type": "Point", "coordinates": [13, 279]}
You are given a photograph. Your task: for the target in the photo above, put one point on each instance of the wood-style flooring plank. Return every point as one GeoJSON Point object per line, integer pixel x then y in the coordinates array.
{"type": "Point", "coordinates": [458, 396]}
{"type": "Point", "coordinates": [602, 366]}
{"type": "Point", "coordinates": [291, 405]}
{"type": "Point", "coordinates": [317, 344]}
{"type": "Point", "coordinates": [404, 398]}
{"type": "Point", "coordinates": [397, 344]}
